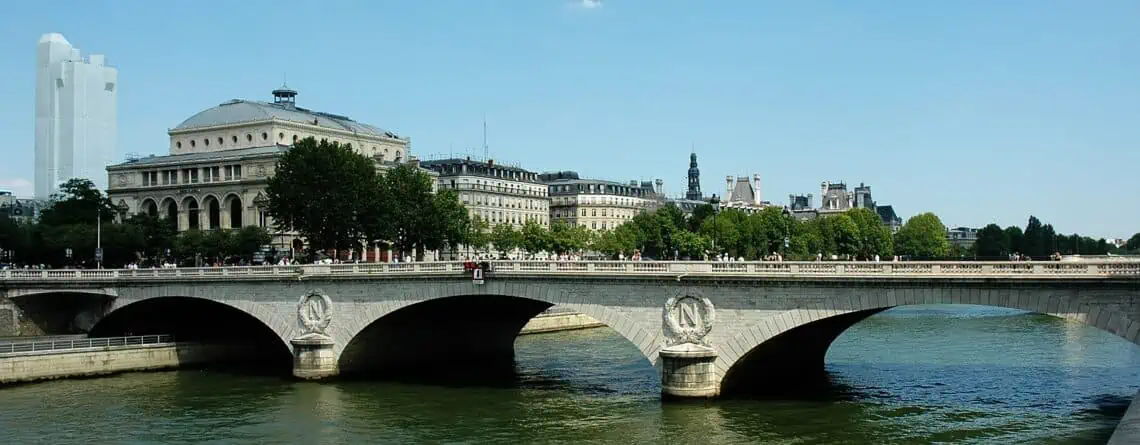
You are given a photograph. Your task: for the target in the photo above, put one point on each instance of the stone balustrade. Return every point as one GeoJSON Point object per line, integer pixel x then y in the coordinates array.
{"type": "Point", "coordinates": [1084, 269]}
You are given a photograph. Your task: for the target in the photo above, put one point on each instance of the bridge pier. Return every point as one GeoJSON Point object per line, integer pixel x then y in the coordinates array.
{"type": "Point", "coordinates": [688, 371]}
{"type": "Point", "coordinates": [314, 358]}
{"type": "Point", "coordinates": [313, 355]}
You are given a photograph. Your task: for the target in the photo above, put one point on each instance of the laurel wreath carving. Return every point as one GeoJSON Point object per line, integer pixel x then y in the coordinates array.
{"type": "Point", "coordinates": [675, 334]}
{"type": "Point", "coordinates": [315, 312]}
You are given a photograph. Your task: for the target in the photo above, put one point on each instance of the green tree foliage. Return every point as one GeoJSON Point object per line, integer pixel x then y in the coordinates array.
{"type": "Point", "coordinates": [565, 238]}
{"type": "Point", "coordinates": [78, 201]}
{"type": "Point", "coordinates": [326, 192]}
{"type": "Point", "coordinates": [845, 234]}
{"type": "Point", "coordinates": [693, 246]}
{"type": "Point", "coordinates": [992, 243]}
{"type": "Point", "coordinates": [535, 238]}
{"type": "Point", "coordinates": [413, 218]}
{"type": "Point", "coordinates": [448, 224]}
{"type": "Point", "coordinates": [505, 238]}
{"type": "Point", "coordinates": [1133, 243]}
{"type": "Point", "coordinates": [479, 236]}
{"type": "Point", "coordinates": [622, 240]}
{"type": "Point", "coordinates": [1016, 239]}
{"type": "Point", "coordinates": [923, 236]}
{"type": "Point", "coordinates": [874, 236]}
{"type": "Point", "coordinates": [1033, 240]}
{"type": "Point", "coordinates": [699, 215]}
{"type": "Point", "coordinates": [248, 241]}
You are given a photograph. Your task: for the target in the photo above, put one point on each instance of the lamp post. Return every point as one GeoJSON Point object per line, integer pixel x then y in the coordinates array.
{"type": "Point", "coordinates": [99, 238]}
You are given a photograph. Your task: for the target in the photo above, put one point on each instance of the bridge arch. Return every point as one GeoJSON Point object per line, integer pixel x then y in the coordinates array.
{"type": "Point", "coordinates": [794, 343]}
{"type": "Point", "coordinates": [507, 312]}
{"type": "Point", "coordinates": [209, 318]}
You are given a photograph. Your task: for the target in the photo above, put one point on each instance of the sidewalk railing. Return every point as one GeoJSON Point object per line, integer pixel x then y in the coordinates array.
{"type": "Point", "coordinates": [65, 345]}
{"type": "Point", "coordinates": [602, 268]}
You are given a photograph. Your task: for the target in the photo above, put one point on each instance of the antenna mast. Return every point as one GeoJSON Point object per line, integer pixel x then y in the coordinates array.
{"type": "Point", "coordinates": [485, 155]}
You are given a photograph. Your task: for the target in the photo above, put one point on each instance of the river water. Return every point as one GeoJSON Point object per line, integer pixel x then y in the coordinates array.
{"type": "Point", "coordinates": [917, 375]}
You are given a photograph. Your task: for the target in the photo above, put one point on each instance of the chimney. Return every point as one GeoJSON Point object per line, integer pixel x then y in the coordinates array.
{"type": "Point", "coordinates": [756, 188]}
{"type": "Point", "coordinates": [809, 201]}
{"type": "Point", "coordinates": [660, 186]}
{"type": "Point", "coordinates": [823, 190]}
{"type": "Point", "coordinates": [728, 185]}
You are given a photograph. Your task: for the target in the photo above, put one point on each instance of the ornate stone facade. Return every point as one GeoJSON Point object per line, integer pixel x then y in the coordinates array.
{"type": "Point", "coordinates": [598, 204]}
{"type": "Point", "coordinates": [221, 159]}
{"type": "Point", "coordinates": [496, 193]}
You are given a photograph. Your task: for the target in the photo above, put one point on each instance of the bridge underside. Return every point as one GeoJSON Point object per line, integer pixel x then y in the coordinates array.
{"type": "Point", "coordinates": [453, 339]}
{"type": "Point", "coordinates": [52, 314]}
{"type": "Point", "coordinates": [791, 363]}
{"type": "Point", "coordinates": [203, 321]}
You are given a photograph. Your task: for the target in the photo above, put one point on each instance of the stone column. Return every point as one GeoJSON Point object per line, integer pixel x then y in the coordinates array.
{"type": "Point", "coordinates": [688, 367]}
{"type": "Point", "coordinates": [313, 354]}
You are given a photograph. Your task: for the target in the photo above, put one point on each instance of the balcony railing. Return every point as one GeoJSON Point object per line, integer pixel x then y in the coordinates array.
{"type": "Point", "coordinates": [68, 345]}
{"type": "Point", "coordinates": [1083, 269]}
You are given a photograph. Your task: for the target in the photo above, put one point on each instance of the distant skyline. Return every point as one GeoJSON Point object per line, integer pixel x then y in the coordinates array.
{"type": "Point", "coordinates": [977, 111]}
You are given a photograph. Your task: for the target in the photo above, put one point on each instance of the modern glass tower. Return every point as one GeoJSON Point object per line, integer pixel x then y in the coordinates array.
{"type": "Point", "coordinates": [76, 131]}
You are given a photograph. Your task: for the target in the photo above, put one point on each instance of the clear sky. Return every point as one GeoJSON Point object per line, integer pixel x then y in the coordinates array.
{"type": "Point", "coordinates": [978, 110]}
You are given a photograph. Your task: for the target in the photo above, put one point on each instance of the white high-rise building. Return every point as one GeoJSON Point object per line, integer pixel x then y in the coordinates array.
{"type": "Point", "coordinates": [76, 130]}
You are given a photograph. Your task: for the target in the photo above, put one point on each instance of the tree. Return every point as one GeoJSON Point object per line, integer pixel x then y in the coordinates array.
{"type": "Point", "coordinates": [699, 215]}
{"type": "Point", "coordinates": [1033, 240]}
{"type": "Point", "coordinates": [159, 234]}
{"type": "Point", "coordinates": [693, 246]}
{"type": "Point", "coordinates": [1016, 239]}
{"type": "Point", "coordinates": [992, 242]}
{"type": "Point", "coordinates": [722, 232]}
{"type": "Point", "coordinates": [1133, 243]}
{"type": "Point", "coordinates": [480, 234]}
{"type": "Point", "coordinates": [619, 241]}
{"type": "Point", "coordinates": [874, 236]}
{"type": "Point", "coordinates": [189, 245]}
{"type": "Point", "coordinates": [326, 192]}
{"type": "Point", "coordinates": [565, 238]}
{"type": "Point", "coordinates": [505, 238]}
{"type": "Point", "coordinates": [845, 234]}
{"type": "Point", "coordinates": [777, 226]}
{"type": "Point", "coordinates": [923, 236]}
{"type": "Point", "coordinates": [405, 215]}
{"type": "Point", "coordinates": [447, 223]}
{"type": "Point", "coordinates": [78, 201]}
{"type": "Point", "coordinates": [249, 240]}
{"type": "Point", "coordinates": [535, 238]}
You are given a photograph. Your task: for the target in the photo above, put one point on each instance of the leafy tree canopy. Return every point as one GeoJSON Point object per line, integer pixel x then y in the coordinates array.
{"type": "Point", "coordinates": [326, 192]}
{"type": "Point", "coordinates": [923, 236]}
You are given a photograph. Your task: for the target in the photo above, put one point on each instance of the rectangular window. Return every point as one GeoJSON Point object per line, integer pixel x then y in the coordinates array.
{"type": "Point", "coordinates": [237, 172]}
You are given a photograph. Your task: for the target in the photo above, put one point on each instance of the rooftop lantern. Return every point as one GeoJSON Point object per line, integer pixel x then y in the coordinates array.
{"type": "Point", "coordinates": [285, 97]}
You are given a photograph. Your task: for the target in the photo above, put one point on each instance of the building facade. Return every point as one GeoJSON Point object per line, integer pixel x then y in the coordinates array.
{"type": "Point", "coordinates": [963, 237]}
{"type": "Point", "coordinates": [836, 199]}
{"type": "Point", "coordinates": [743, 195]}
{"type": "Point", "coordinates": [76, 102]}
{"type": "Point", "coordinates": [495, 193]}
{"type": "Point", "coordinates": [21, 210]}
{"type": "Point", "coordinates": [221, 159]}
{"type": "Point", "coordinates": [597, 204]}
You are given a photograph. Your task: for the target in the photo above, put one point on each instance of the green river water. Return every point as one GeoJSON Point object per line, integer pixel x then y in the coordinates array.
{"type": "Point", "coordinates": [916, 375]}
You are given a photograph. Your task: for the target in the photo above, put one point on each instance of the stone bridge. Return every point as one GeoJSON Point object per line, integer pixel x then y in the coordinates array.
{"type": "Point", "coordinates": [710, 328]}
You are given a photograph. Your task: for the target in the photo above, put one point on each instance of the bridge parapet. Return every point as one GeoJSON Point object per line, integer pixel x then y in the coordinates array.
{"type": "Point", "coordinates": [1084, 269]}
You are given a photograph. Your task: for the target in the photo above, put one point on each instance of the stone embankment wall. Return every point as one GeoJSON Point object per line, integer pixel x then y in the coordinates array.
{"type": "Point", "coordinates": [33, 366]}
{"type": "Point", "coordinates": [554, 321]}
{"type": "Point", "coordinates": [1128, 430]}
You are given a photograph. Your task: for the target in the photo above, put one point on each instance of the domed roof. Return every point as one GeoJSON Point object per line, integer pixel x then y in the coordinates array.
{"type": "Point", "coordinates": [240, 111]}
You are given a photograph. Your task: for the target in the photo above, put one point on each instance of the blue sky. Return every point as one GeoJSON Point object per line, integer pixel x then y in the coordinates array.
{"type": "Point", "coordinates": [980, 111]}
